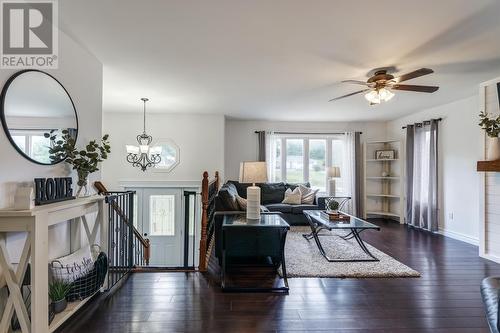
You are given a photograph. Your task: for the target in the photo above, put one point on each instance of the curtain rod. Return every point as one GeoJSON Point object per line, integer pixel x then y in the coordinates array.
{"type": "Point", "coordinates": [424, 122]}
{"type": "Point", "coordinates": [331, 133]}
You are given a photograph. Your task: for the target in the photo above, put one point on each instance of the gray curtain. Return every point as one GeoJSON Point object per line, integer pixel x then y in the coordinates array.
{"type": "Point", "coordinates": [353, 173]}
{"type": "Point", "coordinates": [422, 175]}
{"type": "Point", "coordinates": [261, 136]}
{"type": "Point", "coordinates": [358, 155]}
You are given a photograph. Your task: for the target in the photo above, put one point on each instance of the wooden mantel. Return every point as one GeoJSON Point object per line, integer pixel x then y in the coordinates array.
{"type": "Point", "coordinates": [490, 166]}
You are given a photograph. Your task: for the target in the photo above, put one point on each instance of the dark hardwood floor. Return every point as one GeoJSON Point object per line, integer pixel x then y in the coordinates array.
{"type": "Point", "coordinates": [445, 299]}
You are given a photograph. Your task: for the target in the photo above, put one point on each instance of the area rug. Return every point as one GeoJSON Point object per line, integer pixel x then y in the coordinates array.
{"type": "Point", "coordinates": [303, 258]}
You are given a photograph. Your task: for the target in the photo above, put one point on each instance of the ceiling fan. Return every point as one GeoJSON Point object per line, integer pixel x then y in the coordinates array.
{"type": "Point", "coordinates": [380, 85]}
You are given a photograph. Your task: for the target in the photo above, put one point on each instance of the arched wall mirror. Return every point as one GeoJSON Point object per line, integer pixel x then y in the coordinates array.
{"type": "Point", "coordinates": [34, 103]}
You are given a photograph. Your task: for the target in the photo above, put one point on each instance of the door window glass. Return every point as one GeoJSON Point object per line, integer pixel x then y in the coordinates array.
{"type": "Point", "coordinates": [162, 215]}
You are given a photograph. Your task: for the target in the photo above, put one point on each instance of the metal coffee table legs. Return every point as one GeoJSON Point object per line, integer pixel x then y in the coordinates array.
{"type": "Point", "coordinates": [315, 229]}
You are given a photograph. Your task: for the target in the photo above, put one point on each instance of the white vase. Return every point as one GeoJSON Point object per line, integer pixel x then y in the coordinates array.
{"type": "Point", "coordinates": [493, 152]}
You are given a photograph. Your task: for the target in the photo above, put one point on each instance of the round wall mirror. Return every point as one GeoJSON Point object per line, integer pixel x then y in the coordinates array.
{"type": "Point", "coordinates": [35, 110]}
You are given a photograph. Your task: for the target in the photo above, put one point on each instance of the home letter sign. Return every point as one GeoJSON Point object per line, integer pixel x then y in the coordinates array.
{"type": "Point", "coordinates": [49, 190]}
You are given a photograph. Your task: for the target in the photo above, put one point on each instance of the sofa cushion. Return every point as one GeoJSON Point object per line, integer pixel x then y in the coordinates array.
{"type": "Point", "coordinates": [269, 192]}
{"type": "Point", "coordinates": [293, 186]}
{"type": "Point", "coordinates": [272, 193]}
{"type": "Point", "coordinates": [242, 202]}
{"type": "Point", "coordinates": [292, 197]}
{"type": "Point", "coordinates": [298, 209]}
{"type": "Point", "coordinates": [240, 187]}
{"type": "Point", "coordinates": [227, 197]}
{"type": "Point", "coordinates": [308, 195]}
{"type": "Point", "coordinates": [279, 207]}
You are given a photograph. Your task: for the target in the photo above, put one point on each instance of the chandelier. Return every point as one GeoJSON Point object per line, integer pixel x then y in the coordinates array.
{"type": "Point", "coordinates": [143, 156]}
{"type": "Point", "coordinates": [377, 96]}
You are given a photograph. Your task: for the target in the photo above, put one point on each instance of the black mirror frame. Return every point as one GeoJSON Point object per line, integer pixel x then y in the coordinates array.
{"type": "Point", "coordinates": [4, 122]}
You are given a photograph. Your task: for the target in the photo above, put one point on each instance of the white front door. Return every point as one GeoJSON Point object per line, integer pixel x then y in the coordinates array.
{"type": "Point", "coordinates": [162, 224]}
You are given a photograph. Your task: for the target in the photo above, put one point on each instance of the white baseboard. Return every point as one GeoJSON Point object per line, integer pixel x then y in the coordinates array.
{"type": "Point", "coordinates": [459, 236]}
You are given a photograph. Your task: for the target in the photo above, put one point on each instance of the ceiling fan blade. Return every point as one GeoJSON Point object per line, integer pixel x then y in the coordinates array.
{"type": "Point", "coordinates": [355, 82]}
{"type": "Point", "coordinates": [344, 96]}
{"type": "Point", "coordinates": [409, 87]}
{"type": "Point", "coordinates": [413, 75]}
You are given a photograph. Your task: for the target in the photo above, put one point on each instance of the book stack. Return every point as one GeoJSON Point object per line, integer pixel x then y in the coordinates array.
{"type": "Point", "coordinates": [337, 217]}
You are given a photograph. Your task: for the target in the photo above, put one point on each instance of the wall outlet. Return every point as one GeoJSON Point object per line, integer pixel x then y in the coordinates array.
{"type": "Point", "coordinates": [450, 215]}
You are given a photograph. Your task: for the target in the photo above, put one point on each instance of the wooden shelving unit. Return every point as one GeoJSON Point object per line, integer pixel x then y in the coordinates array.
{"type": "Point", "coordinates": [72, 308]}
{"type": "Point", "coordinates": [382, 179]}
{"type": "Point", "coordinates": [488, 166]}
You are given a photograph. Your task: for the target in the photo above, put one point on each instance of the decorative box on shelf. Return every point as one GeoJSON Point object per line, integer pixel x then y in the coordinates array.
{"type": "Point", "coordinates": [488, 166]}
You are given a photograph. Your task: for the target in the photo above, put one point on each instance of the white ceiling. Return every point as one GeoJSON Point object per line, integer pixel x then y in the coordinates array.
{"type": "Point", "coordinates": [283, 59]}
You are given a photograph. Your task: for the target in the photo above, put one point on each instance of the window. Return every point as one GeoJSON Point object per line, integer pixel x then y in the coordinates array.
{"type": "Point", "coordinates": [169, 155]}
{"type": "Point", "coordinates": [317, 164]}
{"type": "Point", "coordinates": [33, 143]}
{"type": "Point", "coordinates": [162, 215]}
{"type": "Point", "coordinates": [294, 160]}
{"type": "Point", "coordinates": [338, 159]}
{"type": "Point", "coordinates": [305, 158]}
{"type": "Point", "coordinates": [277, 155]}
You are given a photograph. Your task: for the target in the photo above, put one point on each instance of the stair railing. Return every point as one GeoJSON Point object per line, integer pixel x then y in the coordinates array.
{"type": "Point", "coordinates": [209, 189]}
{"type": "Point", "coordinates": [140, 247]}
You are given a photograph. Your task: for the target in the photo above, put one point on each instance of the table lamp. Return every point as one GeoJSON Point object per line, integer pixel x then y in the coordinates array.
{"type": "Point", "coordinates": [253, 172]}
{"type": "Point", "coordinates": [333, 172]}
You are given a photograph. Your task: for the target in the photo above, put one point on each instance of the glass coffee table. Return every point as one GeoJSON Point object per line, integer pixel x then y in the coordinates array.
{"type": "Point", "coordinates": [354, 225]}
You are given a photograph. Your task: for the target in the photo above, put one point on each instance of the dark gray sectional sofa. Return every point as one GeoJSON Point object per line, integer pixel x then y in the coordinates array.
{"type": "Point", "coordinates": [272, 194]}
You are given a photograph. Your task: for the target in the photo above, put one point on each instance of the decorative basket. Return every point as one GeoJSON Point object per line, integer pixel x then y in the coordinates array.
{"type": "Point", "coordinates": [84, 277]}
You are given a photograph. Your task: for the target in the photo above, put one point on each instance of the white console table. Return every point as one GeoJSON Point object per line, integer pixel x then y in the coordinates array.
{"type": "Point", "coordinates": [36, 223]}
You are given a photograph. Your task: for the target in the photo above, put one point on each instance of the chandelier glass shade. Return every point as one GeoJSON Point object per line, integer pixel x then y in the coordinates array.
{"type": "Point", "coordinates": [379, 95]}
{"type": "Point", "coordinates": [143, 156]}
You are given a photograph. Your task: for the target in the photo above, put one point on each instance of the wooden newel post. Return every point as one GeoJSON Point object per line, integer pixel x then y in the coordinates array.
{"type": "Point", "coordinates": [203, 238]}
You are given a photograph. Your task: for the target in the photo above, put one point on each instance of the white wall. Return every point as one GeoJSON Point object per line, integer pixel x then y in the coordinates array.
{"type": "Point", "coordinates": [199, 137]}
{"type": "Point", "coordinates": [241, 140]}
{"type": "Point", "coordinates": [460, 146]}
{"type": "Point", "coordinates": [81, 74]}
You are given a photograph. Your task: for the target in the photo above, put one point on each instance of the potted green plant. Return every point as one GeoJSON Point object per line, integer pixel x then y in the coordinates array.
{"type": "Point", "coordinates": [492, 128]}
{"type": "Point", "coordinates": [333, 206]}
{"type": "Point", "coordinates": [85, 161]}
{"type": "Point", "coordinates": [57, 293]}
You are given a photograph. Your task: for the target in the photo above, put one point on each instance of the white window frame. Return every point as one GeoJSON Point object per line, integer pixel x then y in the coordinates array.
{"type": "Point", "coordinates": [28, 138]}
{"type": "Point", "coordinates": [170, 142]}
{"type": "Point", "coordinates": [305, 139]}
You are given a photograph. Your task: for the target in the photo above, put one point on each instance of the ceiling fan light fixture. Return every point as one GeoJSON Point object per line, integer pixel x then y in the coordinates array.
{"type": "Point", "coordinates": [379, 95]}
{"type": "Point", "coordinates": [373, 97]}
{"type": "Point", "coordinates": [385, 94]}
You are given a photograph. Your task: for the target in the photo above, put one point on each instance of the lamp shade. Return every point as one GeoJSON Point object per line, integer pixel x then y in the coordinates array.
{"type": "Point", "coordinates": [334, 172]}
{"type": "Point", "coordinates": [253, 172]}
{"type": "Point", "coordinates": [132, 149]}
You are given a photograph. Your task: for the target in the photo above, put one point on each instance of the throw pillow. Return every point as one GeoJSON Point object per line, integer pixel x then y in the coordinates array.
{"type": "Point", "coordinates": [73, 266]}
{"type": "Point", "coordinates": [292, 197]}
{"type": "Point", "coordinates": [308, 194]}
{"type": "Point", "coordinates": [227, 197]}
{"type": "Point", "coordinates": [242, 202]}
